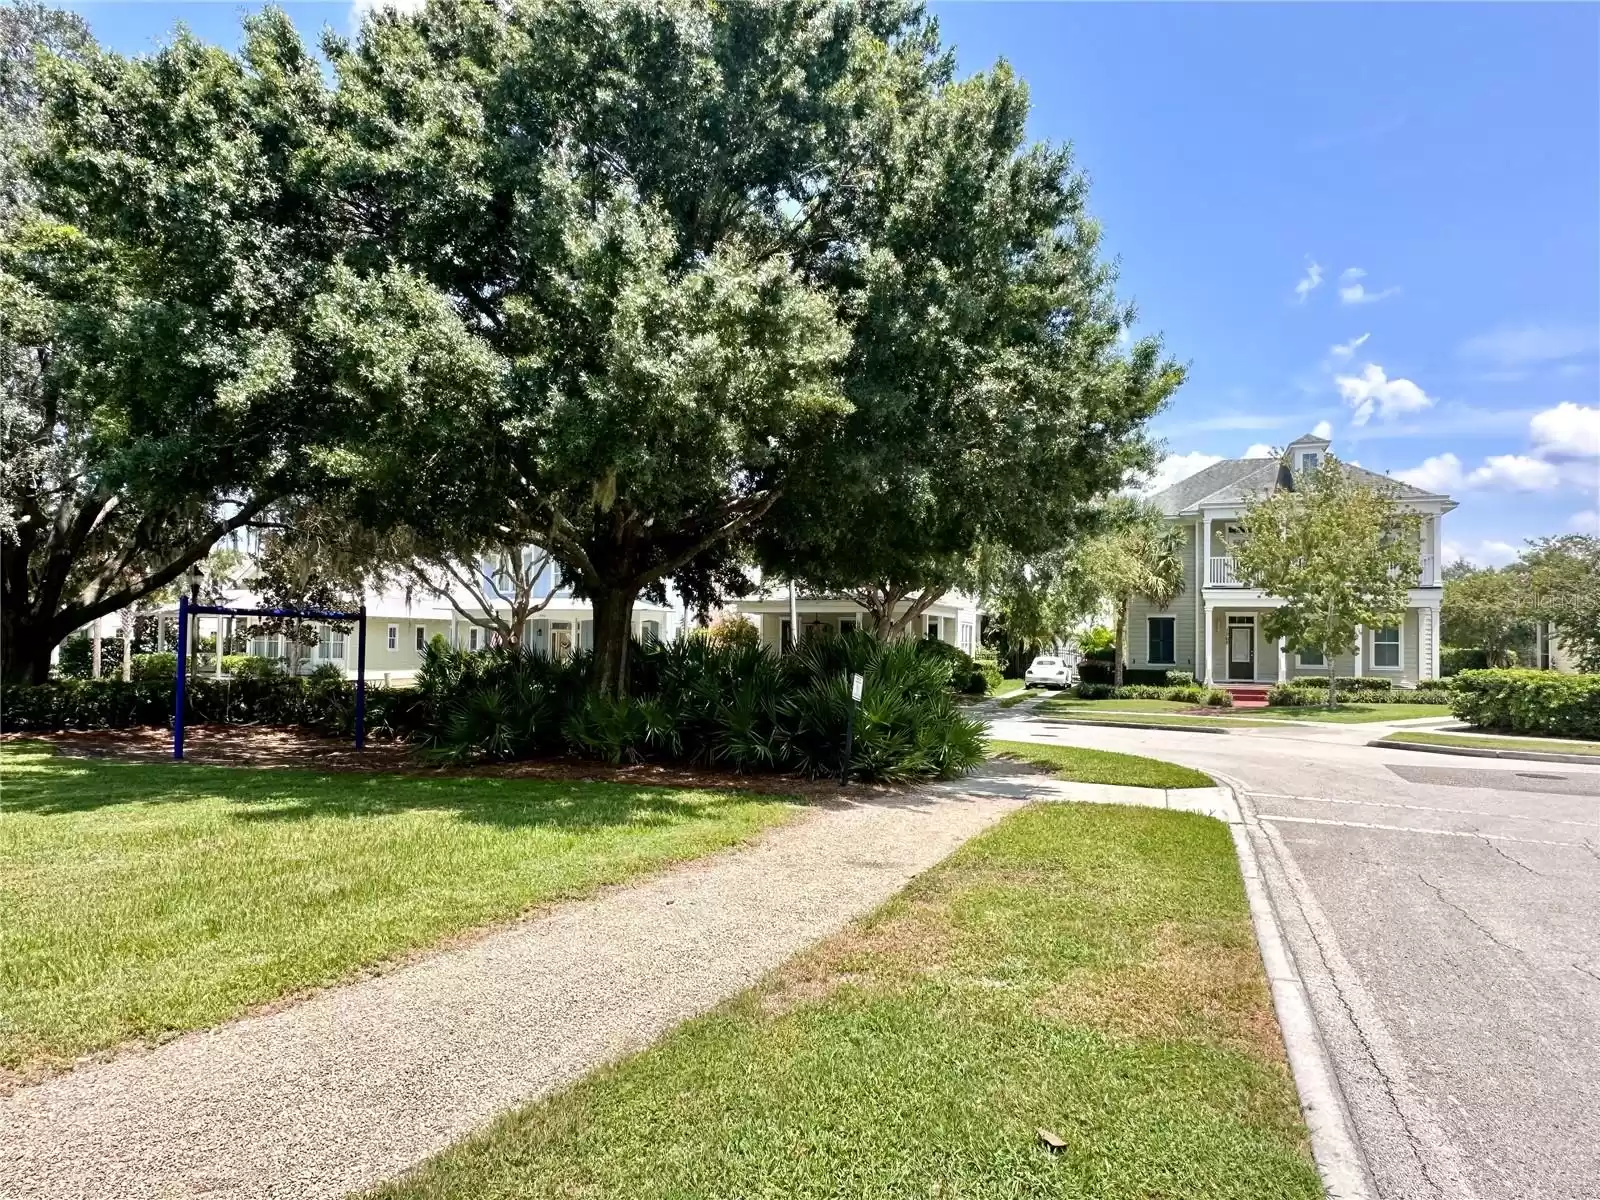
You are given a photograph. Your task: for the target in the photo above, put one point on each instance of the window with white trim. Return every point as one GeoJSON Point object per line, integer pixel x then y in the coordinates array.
{"type": "Point", "coordinates": [966, 637]}
{"type": "Point", "coordinates": [933, 629]}
{"type": "Point", "coordinates": [472, 637]}
{"type": "Point", "coordinates": [1307, 657]}
{"type": "Point", "coordinates": [1386, 647]}
{"type": "Point", "coordinates": [1308, 460]}
{"type": "Point", "coordinates": [394, 637]}
{"type": "Point", "coordinates": [422, 638]}
{"type": "Point", "coordinates": [1162, 640]}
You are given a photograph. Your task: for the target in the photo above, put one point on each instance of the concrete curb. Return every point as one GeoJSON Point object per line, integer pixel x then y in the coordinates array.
{"type": "Point", "coordinates": [1134, 725]}
{"type": "Point", "coordinates": [1473, 752]}
{"type": "Point", "coordinates": [1334, 1146]}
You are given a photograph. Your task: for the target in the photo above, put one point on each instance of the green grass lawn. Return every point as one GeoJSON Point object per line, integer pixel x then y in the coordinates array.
{"type": "Point", "coordinates": [1111, 713]}
{"type": "Point", "coordinates": [1008, 687]}
{"type": "Point", "coordinates": [1537, 745]}
{"type": "Point", "coordinates": [1087, 969]}
{"type": "Point", "coordinates": [1357, 713]}
{"type": "Point", "coordinates": [1102, 766]}
{"type": "Point", "coordinates": [1069, 703]}
{"type": "Point", "coordinates": [138, 899]}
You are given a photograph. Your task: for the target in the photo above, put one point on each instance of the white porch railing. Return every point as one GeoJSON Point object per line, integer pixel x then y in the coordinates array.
{"type": "Point", "coordinates": [1224, 572]}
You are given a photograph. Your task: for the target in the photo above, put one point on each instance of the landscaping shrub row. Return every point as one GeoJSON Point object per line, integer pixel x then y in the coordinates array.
{"type": "Point", "coordinates": [742, 707]}
{"type": "Point", "coordinates": [325, 705]}
{"type": "Point", "coordinates": [1191, 694]}
{"type": "Point", "coordinates": [1455, 659]}
{"type": "Point", "coordinates": [1295, 695]}
{"type": "Point", "coordinates": [1525, 701]}
{"type": "Point", "coordinates": [1092, 670]}
{"type": "Point", "coordinates": [1363, 683]}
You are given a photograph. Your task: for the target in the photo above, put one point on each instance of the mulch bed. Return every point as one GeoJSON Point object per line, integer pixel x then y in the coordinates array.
{"type": "Point", "coordinates": [279, 746]}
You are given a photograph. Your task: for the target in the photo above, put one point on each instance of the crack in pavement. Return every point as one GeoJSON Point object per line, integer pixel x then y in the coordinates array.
{"type": "Point", "coordinates": [1471, 920]}
{"type": "Point", "coordinates": [1498, 849]}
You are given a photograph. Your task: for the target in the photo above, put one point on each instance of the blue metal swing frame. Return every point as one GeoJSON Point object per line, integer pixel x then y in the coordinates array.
{"type": "Point", "coordinates": [187, 609]}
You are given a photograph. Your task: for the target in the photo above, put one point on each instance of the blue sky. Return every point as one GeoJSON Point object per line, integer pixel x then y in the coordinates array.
{"type": "Point", "coordinates": [1385, 218]}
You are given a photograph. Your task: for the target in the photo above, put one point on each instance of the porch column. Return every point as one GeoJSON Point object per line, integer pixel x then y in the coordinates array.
{"type": "Point", "coordinates": [94, 666]}
{"type": "Point", "coordinates": [130, 617]}
{"type": "Point", "coordinates": [1438, 551]}
{"type": "Point", "coordinates": [161, 633]}
{"type": "Point", "coordinates": [1199, 590]}
{"type": "Point", "coordinates": [1207, 610]}
{"type": "Point", "coordinates": [1205, 553]}
{"type": "Point", "coordinates": [1283, 660]}
{"type": "Point", "coordinates": [1361, 642]}
{"type": "Point", "coordinates": [221, 638]}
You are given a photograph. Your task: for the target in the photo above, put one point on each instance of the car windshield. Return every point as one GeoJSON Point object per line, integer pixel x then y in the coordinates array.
{"type": "Point", "coordinates": [1044, 662]}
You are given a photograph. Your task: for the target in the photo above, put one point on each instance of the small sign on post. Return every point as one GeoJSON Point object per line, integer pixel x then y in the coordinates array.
{"type": "Point", "coordinates": [856, 682]}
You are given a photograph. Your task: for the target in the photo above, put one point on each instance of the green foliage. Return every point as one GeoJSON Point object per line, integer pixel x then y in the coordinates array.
{"type": "Point", "coordinates": [1095, 671]}
{"type": "Point", "coordinates": [1366, 683]}
{"type": "Point", "coordinates": [1219, 698]}
{"type": "Point", "coordinates": [325, 706]}
{"type": "Point", "coordinates": [1301, 693]}
{"type": "Point", "coordinates": [1098, 642]}
{"type": "Point", "coordinates": [732, 629]}
{"type": "Point", "coordinates": [1521, 701]}
{"type": "Point", "coordinates": [1338, 552]}
{"type": "Point", "coordinates": [1181, 678]}
{"type": "Point", "coordinates": [251, 666]}
{"type": "Point", "coordinates": [741, 707]}
{"type": "Point", "coordinates": [967, 677]}
{"type": "Point", "coordinates": [1183, 694]}
{"type": "Point", "coordinates": [1140, 554]}
{"type": "Point", "coordinates": [1488, 610]}
{"type": "Point", "coordinates": [162, 664]}
{"type": "Point", "coordinates": [1455, 659]}
{"type": "Point", "coordinates": [1562, 577]}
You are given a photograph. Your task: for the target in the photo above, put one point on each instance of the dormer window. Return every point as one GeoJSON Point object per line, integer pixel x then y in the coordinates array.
{"type": "Point", "coordinates": [1309, 460]}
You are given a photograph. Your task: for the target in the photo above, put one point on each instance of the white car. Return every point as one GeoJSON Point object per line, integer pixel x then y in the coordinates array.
{"type": "Point", "coordinates": [1048, 672]}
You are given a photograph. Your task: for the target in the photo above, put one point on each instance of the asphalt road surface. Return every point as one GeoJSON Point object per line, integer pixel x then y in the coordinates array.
{"type": "Point", "coordinates": [1445, 914]}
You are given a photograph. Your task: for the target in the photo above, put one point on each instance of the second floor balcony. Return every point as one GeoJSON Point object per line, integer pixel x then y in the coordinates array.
{"type": "Point", "coordinates": [1224, 572]}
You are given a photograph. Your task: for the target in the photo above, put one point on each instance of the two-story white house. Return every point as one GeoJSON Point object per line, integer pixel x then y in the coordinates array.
{"type": "Point", "coordinates": [1214, 627]}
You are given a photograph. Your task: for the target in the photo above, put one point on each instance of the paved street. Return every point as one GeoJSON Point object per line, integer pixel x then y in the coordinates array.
{"type": "Point", "coordinates": [1445, 913]}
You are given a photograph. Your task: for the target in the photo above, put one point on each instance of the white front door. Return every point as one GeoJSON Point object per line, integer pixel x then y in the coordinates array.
{"type": "Point", "coordinates": [560, 639]}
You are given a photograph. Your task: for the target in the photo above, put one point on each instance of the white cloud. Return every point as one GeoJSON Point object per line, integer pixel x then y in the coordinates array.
{"type": "Point", "coordinates": [1374, 392]}
{"type": "Point", "coordinates": [1346, 349]}
{"type": "Point", "coordinates": [1441, 473]}
{"type": "Point", "coordinates": [1356, 293]}
{"type": "Point", "coordinates": [1515, 473]}
{"type": "Point", "coordinates": [1351, 274]}
{"type": "Point", "coordinates": [1310, 283]}
{"type": "Point", "coordinates": [1587, 521]}
{"type": "Point", "coordinates": [1566, 431]}
{"type": "Point", "coordinates": [1174, 467]}
{"type": "Point", "coordinates": [1525, 345]}
{"type": "Point", "coordinates": [1260, 450]}
{"type": "Point", "coordinates": [1487, 553]}
{"type": "Point", "coordinates": [1322, 429]}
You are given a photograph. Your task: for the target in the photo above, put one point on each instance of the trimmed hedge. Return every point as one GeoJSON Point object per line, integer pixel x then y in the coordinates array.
{"type": "Point", "coordinates": [327, 706]}
{"type": "Point", "coordinates": [1092, 670]}
{"type": "Point", "coordinates": [1198, 696]}
{"type": "Point", "coordinates": [1455, 659]}
{"type": "Point", "coordinates": [1525, 701]}
{"type": "Point", "coordinates": [1289, 695]}
{"type": "Point", "coordinates": [1354, 683]}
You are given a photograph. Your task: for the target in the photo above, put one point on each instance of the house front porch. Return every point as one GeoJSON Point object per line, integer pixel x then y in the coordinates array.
{"type": "Point", "coordinates": [1237, 650]}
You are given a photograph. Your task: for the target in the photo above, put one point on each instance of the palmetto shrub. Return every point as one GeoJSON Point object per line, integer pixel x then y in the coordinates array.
{"type": "Point", "coordinates": [737, 706]}
{"type": "Point", "coordinates": [1525, 701]}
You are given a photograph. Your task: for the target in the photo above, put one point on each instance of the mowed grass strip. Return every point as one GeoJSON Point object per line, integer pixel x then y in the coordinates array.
{"type": "Point", "coordinates": [1481, 742]}
{"type": "Point", "coordinates": [1356, 713]}
{"type": "Point", "coordinates": [1080, 765]}
{"type": "Point", "coordinates": [1110, 713]}
{"type": "Point", "coordinates": [141, 899]}
{"type": "Point", "coordinates": [1088, 969]}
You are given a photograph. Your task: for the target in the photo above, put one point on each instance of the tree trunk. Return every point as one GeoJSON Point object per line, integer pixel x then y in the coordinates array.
{"type": "Point", "coordinates": [25, 646]}
{"type": "Point", "coordinates": [613, 631]}
{"type": "Point", "coordinates": [1116, 654]}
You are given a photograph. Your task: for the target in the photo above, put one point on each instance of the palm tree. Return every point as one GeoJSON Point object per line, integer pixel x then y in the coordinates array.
{"type": "Point", "coordinates": [1140, 555]}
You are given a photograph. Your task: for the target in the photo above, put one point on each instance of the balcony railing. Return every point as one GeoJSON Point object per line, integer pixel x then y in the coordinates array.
{"type": "Point", "coordinates": [1224, 572]}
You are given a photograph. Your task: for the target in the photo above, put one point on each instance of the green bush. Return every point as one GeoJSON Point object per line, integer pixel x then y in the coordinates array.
{"type": "Point", "coordinates": [1219, 698]}
{"type": "Point", "coordinates": [162, 665]}
{"type": "Point", "coordinates": [738, 706]}
{"type": "Point", "coordinates": [1214, 697]}
{"type": "Point", "coordinates": [251, 666]}
{"type": "Point", "coordinates": [967, 678]}
{"type": "Point", "coordinates": [1526, 701]}
{"type": "Point", "coordinates": [1180, 678]}
{"type": "Point", "coordinates": [1098, 643]}
{"type": "Point", "coordinates": [1292, 695]}
{"type": "Point", "coordinates": [1362, 683]}
{"type": "Point", "coordinates": [1455, 659]}
{"type": "Point", "coordinates": [325, 706]}
{"type": "Point", "coordinates": [1094, 671]}
{"type": "Point", "coordinates": [1084, 690]}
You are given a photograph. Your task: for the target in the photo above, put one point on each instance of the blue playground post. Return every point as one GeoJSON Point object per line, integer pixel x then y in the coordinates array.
{"type": "Point", "coordinates": [183, 670]}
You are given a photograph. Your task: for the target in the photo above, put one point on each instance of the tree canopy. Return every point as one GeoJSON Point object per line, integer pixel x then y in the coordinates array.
{"type": "Point", "coordinates": [1140, 554]}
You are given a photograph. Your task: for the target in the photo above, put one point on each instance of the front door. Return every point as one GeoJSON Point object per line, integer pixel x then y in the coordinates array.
{"type": "Point", "coordinates": [1241, 648]}
{"type": "Point", "coordinates": [560, 639]}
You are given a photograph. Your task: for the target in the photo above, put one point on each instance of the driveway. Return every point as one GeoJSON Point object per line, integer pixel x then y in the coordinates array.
{"type": "Point", "coordinates": [1445, 914]}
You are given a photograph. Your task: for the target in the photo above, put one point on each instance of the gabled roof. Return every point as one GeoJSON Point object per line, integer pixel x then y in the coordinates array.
{"type": "Point", "coordinates": [1234, 480]}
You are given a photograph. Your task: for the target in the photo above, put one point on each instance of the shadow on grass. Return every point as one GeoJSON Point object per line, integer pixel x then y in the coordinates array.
{"type": "Point", "coordinates": [38, 782]}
